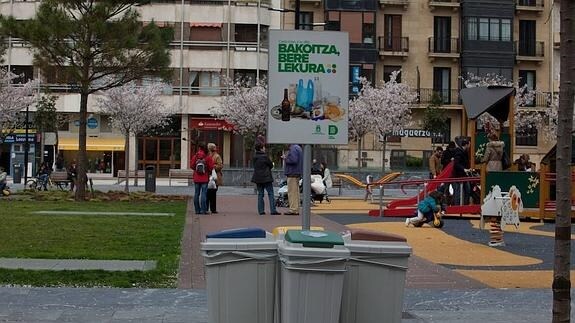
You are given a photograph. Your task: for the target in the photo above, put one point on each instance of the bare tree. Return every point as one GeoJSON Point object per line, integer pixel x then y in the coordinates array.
{"type": "Point", "coordinates": [562, 264]}
{"type": "Point", "coordinates": [134, 110]}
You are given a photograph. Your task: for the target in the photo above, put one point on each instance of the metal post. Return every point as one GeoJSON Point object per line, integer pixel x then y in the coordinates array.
{"type": "Point", "coordinates": [306, 182]}
{"type": "Point", "coordinates": [297, 12]}
{"type": "Point", "coordinates": [26, 147]}
{"type": "Point", "coordinates": [380, 201]}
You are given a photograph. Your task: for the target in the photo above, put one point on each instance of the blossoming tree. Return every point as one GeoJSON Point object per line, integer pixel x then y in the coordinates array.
{"type": "Point", "coordinates": [245, 107]}
{"type": "Point", "coordinates": [387, 108]}
{"type": "Point", "coordinates": [134, 110]}
{"type": "Point", "coordinates": [13, 99]}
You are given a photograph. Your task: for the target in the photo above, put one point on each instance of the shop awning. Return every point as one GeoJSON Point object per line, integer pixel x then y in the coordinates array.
{"type": "Point", "coordinates": [93, 144]}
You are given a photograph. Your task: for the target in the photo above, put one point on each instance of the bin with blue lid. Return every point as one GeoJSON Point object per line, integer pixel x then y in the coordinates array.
{"type": "Point", "coordinates": [313, 264]}
{"type": "Point", "coordinates": [240, 267]}
{"type": "Point", "coordinates": [374, 283]}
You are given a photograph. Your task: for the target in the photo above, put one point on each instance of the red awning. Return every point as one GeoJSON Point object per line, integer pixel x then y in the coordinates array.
{"type": "Point", "coordinates": [211, 124]}
{"type": "Point", "coordinates": [206, 24]}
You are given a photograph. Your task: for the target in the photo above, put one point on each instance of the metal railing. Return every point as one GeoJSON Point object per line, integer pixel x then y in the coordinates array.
{"type": "Point", "coordinates": [530, 49]}
{"type": "Point", "coordinates": [394, 44]}
{"type": "Point", "coordinates": [446, 1]}
{"type": "Point", "coordinates": [443, 45]}
{"type": "Point", "coordinates": [447, 96]}
{"type": "Point", "coordinates": [529, 3]}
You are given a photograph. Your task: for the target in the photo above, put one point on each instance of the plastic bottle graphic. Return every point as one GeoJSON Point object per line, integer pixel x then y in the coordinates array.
{"type": "Point", "coordinates": [285, 107]}
{"type": "Point", "coordinates": [318, 96]}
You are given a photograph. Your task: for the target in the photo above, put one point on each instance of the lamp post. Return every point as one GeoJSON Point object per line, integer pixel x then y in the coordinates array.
{"type": "Point", "coordinates": [26, 145]}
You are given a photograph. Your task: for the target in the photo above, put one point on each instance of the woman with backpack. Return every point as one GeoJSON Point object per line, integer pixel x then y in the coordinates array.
{"type": "Point", "coordinates": [202, 165]}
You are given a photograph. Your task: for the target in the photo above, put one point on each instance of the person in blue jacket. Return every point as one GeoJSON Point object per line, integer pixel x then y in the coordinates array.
{"type": "Point", "coordinates": [426, 208]}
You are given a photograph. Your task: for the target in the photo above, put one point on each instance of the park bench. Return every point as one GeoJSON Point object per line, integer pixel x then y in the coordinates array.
{"type": "Point", "coordinates": [60, 179]}
{"type": "Point", "coordinates": [180, 174]}
{"type": "Point", "coordinates": [336, 182]}
{"type": "Point", "coordinates": [131, 175]}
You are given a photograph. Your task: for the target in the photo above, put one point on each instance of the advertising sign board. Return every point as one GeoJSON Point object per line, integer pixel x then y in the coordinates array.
{"type": "Point", "coordinates": [308, 87]}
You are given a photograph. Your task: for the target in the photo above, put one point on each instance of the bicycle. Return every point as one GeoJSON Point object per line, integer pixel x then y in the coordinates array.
{"type": "Point", "coordinates": [36, 184]}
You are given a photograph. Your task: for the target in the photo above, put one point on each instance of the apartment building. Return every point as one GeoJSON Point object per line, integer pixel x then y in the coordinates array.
{"type": "Point", "coordinates": [435, 43]}
{"type": "Point", "coordinates": [213, 39]}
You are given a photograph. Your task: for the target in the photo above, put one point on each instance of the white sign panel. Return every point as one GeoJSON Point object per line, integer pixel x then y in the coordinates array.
{"type": "Point", "coordinates": [308, 87]}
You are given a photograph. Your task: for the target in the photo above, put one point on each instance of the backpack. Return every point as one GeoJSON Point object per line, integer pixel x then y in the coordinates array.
{"type": "Point", "coordinates": [200, 166]}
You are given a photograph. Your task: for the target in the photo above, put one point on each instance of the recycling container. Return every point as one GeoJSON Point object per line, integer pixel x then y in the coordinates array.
{"type": "Point", "coordinates": [312, 272]}
{"type": "Point", "coordinates": [374, 283]}
{"type": "Point", "coordinates": [17, 175]}
{"type": "Point", "coordinates": [150, 179]}
{"type": "Point", "coordinates": [240, 267]}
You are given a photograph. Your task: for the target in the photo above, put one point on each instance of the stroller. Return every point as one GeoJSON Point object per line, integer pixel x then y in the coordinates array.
{"type": "Point", "coordinates": [318, 191]}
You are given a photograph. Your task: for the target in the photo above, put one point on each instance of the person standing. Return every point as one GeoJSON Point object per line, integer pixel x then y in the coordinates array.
{"type": "Point", "coordinates": [218, 166]}
{"type": "Point", "coordinates": [263, 179]}
{"type": "Point", "coordinates": [293, 170]}
{"type": "Point", "coordinates": [448, 154]}
{"type": "Point", "coordinates": [494, 153]}
{"type": "Point", "coordinates": [460, 169]}
{"type": "Point", "coordinates": [202, 165]}
{"type": "Point", "coordinates": [435, 163]}
{"type": "Point", "coordinates": [72, 175]}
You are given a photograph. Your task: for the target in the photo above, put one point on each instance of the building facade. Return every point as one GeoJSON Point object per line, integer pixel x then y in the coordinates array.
{"type": "Point", "coordinates": [433, 42]}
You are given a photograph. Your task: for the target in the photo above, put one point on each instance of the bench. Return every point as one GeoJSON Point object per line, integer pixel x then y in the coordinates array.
{"type": "Point", "coordinates": [60, 179]}
{"type": "Point", "coordinates": [132, 174]}
{"type": "Point", "coordinates": [180, 174]}
{"type": "Point", "coordinates": [336, 182]}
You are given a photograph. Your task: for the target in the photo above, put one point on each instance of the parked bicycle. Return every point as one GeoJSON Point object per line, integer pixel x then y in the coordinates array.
{"type": "Point", "coordinates": [39, 182]}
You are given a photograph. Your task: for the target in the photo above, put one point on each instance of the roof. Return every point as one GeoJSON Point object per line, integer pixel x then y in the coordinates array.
{"type": "Point", "coordinates": [491, 99]}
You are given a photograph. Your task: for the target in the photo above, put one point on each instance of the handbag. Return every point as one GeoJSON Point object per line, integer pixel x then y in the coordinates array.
{"type": "Point", "coordinates": [212, 181]}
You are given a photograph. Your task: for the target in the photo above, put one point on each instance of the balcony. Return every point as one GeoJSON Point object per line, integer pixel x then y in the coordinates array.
{"type": "Point", "coordinates": [529, 6]}
{"type": "Point", "coordinates": [437, 4]}
{"type": "Point", "coordinates": [316, 3]}
{"type": "Point", "coordinates": [529, 51]}
{"type": "Point", "coordinates": [449, 97]}
{"type": "Point", "coordinates": [394, 46]}
{"type": "Point", "coordinates": [394, 3]}
{"type": "Point", "coordinates": [443, 48]}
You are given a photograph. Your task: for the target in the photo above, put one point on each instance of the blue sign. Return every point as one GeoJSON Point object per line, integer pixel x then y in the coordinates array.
{"type": "Point", "coordinates": [92, 123]}
{"type": "Point", "coordinates": [355, 74]}
{"type": "Point", "coordinates": [19, 137]}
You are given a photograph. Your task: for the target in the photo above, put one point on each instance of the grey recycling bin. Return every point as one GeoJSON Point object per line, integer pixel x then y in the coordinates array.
{"type": "Point", "coordinates": [17, 174]}
{"type": "Point", "coordinates": [374, 283]}
{"type": "Point", "coordinates": [150, 179]}
{"type": "Point", "coordinates": [240, 266]}
{"type": "Point", "coordinates": [312, 273]}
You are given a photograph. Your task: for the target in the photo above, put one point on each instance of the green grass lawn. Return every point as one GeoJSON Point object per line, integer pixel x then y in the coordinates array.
{"type": "Point", "coordinates": [27, 235]}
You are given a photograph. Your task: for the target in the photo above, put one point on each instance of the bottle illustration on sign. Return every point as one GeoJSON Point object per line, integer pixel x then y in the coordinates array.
{"type": "Point", "coordinates": [285, 107]}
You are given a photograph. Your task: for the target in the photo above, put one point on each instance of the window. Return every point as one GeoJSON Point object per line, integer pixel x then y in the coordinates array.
{"type": "Point", "coordinates": [246, 33]}
{"type": "Point", "coordinates": [442, 83]}
{"type": "Point", "coordinates": [203, 32]}
{"type": "Point", "coordinates": [488, 29]}
{"type": "Point", "coordinates": [359, 25]}
{"type": "Point", "coordinates": [392, 32]}
{"type": "Point", "coordinates": [205, 83]}
{"type": "Point", "coordinates": [24, 73]}
{"type": "Point", "coordinates": [526, 137]}
{"type": "Point", "coordinates": [527, 32]}
{"type": "Point", "coordinates": [356, 72]}
{"type": "Point", "coordinates": [527, 78]}
{"type": "Point", "coordinates": [306, 20]}
{"type": "Point", "coordinates": [442, 34]}
{"type": "Point", "coordinates": [388, 69]}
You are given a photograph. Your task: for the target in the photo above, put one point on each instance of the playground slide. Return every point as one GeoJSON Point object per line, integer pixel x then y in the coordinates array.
{"type": "Point", "coordinates": [445, 173]}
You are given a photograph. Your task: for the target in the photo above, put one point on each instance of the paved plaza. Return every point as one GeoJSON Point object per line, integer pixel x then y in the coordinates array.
{"type": "Point", "coordinates": [452, 277]}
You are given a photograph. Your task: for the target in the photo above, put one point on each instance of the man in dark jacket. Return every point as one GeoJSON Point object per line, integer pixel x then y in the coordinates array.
{"type": "Point", "coordinates": [263, 179]}
{"type": "Point", "coordinates": [293, 170]}
{"type": "Point", "coordinates": [447, 155]}
{"type": "Point", "coordinates": [460, 169]}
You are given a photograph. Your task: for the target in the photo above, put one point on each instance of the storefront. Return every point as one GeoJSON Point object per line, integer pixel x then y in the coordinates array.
{"type": "Point", "coordinates": [219, 132]}
{"type": "Point", "coordinates": [13, 151]}
{"type": "Point", "coordinates": [105, 154]}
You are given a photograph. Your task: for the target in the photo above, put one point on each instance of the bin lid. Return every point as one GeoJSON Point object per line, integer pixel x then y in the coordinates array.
{"type": "Point", "coordinates": [288, 250]}
{"type": "Point", "coordinates": [280, 231]}
{"type": "Point", "coordinates": [239, 241]}
{"type": "Point", "coordinates": [239, 233]}
{"type": "Point", "coordinates": [381, 243]}
{"type": "Point", "coordinates": [314, 238]}
{"type": "Point", "coordinates": [370, 235]}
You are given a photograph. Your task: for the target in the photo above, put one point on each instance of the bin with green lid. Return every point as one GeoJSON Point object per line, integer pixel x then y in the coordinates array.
{"type": "Point", "coordinates": [313, 264]}
{"type": "Point", "coordinates": [240, 267]}
{"type": "Point", "coordinates": [374, 283]}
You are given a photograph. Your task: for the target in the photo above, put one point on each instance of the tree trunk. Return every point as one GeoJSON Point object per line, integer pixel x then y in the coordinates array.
{"type": "Point", "coordinates": [127, 154]}
{"type": "Point", "coordinates": [137, 164]}
{"type": "Point", "coordinates": [383, 155]}
{"type": "Point", "coordinates": [244, 180]}
{"type": "Point", "coordinates": [359, 146]}
{"type": "Point", "coordinates": [42, 144]}
{"type": "Point", "coordinates": [82, 157]}
{"type": "Point", "coordinates": [562, 263]}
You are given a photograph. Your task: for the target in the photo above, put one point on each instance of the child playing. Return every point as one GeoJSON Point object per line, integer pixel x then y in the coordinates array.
{"type": "Point", "coordinates": [426, 208]}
